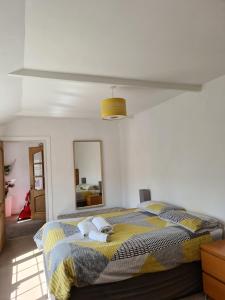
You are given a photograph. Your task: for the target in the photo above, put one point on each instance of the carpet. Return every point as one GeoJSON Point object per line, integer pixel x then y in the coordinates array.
{"type": "Point", "coordinates": [22, 271]}
{"type": "Point", "coordinates": [16, 229]}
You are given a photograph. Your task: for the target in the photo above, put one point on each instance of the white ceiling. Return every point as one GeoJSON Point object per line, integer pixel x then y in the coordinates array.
{"type": "Point", "coordinates": [69, 99]}
{"type": "Point", "coordinates": [168, 40]}
{"type": "Point", "coordinates": [11, 56]}
{"type": "Point", "coordinates": [162, 40]}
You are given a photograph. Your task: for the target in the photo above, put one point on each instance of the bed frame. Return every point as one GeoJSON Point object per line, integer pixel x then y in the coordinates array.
{"type": "Point", "coordinates": [167, 285]}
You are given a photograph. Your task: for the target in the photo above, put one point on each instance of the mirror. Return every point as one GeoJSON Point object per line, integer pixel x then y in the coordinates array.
{"type": "Point", "coordinates": [88, 175]}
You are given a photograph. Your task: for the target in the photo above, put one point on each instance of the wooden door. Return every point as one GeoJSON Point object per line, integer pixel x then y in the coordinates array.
{"type": "Point", "coordinates": [37, 183]}
{"type": "Point", "coordinates": [2, 198]}
{"type": "Point", "coordinates": [77, 177]}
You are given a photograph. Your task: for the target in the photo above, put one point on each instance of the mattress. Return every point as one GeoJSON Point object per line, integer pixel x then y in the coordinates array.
{"type": "Point", "coordinates": [142, 243]}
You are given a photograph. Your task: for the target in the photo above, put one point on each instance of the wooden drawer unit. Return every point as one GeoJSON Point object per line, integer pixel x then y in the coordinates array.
{"type": "Point", "coordinates": [213, 287]}
{"type": "Point", "coordinates": [94, 200]}
{"type": "Point", "coordinates": [213, 266]}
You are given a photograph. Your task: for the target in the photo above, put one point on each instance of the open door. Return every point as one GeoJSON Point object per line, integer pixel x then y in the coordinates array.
{"type": "Point", "coordinates": [2, 198]}
{"type": "Point", "coordinates": [37, 183]}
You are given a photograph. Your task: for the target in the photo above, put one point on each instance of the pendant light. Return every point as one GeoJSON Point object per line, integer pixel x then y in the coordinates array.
{"type": "Point", "coordinates": [113, 108]}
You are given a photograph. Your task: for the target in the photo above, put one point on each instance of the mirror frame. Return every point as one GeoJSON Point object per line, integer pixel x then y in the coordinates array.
{"type": "Point", "coordinates": [102, 173]}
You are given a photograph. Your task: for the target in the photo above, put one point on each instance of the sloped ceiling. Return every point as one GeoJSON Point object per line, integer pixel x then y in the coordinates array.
{"type": "Point", "coordinates": [12, 25]}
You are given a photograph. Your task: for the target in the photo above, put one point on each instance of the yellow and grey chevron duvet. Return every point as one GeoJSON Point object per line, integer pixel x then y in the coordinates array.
{"type": "Point", "coordinates": [141, 243]}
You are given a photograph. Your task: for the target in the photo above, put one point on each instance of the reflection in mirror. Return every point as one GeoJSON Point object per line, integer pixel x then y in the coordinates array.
{"type": "Point", "coordinates": [88, 173]}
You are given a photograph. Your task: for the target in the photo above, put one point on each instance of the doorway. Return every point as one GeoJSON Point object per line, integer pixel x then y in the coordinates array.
{"type": "Point", "coordinates": [25, 209]}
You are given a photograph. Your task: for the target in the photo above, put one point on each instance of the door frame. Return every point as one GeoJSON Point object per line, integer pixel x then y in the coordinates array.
{"type": "Point", "coordinates": [46, 140]}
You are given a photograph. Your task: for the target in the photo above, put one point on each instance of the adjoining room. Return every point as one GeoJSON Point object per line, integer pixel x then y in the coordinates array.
{"type": "Point", "coordinates": [24, 181]}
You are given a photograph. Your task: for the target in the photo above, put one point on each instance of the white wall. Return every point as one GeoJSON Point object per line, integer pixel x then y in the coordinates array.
{"type": "Point", "coordinates": [88, 161]}
{"type": "Point", "coordinates": [178, 150]}
{"type": "Point", "coordinates": [20, 171]}
{"type": "Point", "coordinates": [62, 133]}
{"type": "Point", "coordinates": [1, 130]}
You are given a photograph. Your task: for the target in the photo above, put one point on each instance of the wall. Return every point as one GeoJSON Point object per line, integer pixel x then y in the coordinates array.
{"type": "Point", "coordinates": [62, 132]}
{"type": "Point", "coordinates": [88, 161]}
{"type": "Point", "coordinates": [1, 130]}
{"type": "Point", "coordinates": [178, 150]}
{"type": "Point", "coordinates": [20, 171]}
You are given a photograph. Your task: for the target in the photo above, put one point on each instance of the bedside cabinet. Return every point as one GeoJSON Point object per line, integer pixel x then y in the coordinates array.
{"type": "Point", "coordinates": [213, 266]}
{"type": "Point", "coordinates": [94, 200]}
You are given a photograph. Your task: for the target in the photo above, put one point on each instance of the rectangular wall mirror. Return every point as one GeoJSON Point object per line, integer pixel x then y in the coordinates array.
{"type": "Point", "coordinates": [88, 175]}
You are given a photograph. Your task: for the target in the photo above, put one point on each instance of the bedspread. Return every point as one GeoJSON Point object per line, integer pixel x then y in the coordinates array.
{"type": "Point", "coordinates": [141, 243]}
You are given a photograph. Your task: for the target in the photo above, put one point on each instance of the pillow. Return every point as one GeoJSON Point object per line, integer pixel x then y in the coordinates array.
{"type": "Point", "coordinates": [191, 221]}
{"type": "Point", "coordinates": [158, 207]}
{"type": "Point", "coordinates": [93, 187]}
{"type": "Point", "coordinates": [211, 222]}
{"type": "Point", "coordinates": [84, 186]}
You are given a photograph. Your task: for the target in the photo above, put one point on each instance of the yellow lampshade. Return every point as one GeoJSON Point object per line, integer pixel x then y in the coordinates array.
{"type": "Point", "coordinates": [113, 108]}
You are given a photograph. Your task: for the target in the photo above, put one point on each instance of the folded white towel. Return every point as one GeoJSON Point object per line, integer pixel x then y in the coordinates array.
{"type": "Point", "coordinates": [102, 225]}
{"type": "Point", "coordinates": [98, 236]}
{"type": "Point", "coordinates": [86, 226]}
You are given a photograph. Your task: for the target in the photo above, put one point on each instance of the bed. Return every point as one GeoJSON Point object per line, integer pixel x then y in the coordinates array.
{"type": "Point", "coordinates": [147, 256]}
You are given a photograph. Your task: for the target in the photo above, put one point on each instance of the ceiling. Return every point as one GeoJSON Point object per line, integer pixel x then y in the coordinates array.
{"type": "Point", "coordinates": [81, 100]}
{"type": "Point", "coordinates": [176, 41]}
{"type": "Point", "coordinates": [11, 56]}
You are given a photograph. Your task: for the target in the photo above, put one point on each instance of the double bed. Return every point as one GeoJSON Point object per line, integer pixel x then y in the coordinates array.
{"type": "Point", "coordinates": [147, 257]}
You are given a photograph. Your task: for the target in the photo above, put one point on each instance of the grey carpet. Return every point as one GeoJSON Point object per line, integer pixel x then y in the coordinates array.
{"type": "Point", "coordinates": [22, 271]}
{"type": "Point", "coordinates": [16, 229]}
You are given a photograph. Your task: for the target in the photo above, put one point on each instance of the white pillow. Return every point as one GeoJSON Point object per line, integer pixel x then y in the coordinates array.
{"type": "Point", "coordinates": [84, 186]}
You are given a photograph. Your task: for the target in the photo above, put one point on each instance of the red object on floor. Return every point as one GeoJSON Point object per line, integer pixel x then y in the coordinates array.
{"type": "Point", "coordinates": [25, 212]}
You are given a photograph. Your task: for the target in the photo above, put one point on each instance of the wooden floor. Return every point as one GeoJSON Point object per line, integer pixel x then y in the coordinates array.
{"type": "Point", "coordinates": [22, 272]}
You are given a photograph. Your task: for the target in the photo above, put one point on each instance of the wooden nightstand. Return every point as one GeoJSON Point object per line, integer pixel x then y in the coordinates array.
{"type": "Point", "coordinates": [94, 200]}
{"type": "Point", "coordinates": [213, 266]}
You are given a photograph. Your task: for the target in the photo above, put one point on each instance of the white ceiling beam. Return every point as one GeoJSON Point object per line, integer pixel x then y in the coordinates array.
{"type": "Point", "coordinates": [106, 80]}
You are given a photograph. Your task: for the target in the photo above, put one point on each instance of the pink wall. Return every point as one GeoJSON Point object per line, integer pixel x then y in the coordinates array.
{"type": "Point", "coordinates": [20, 171]}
